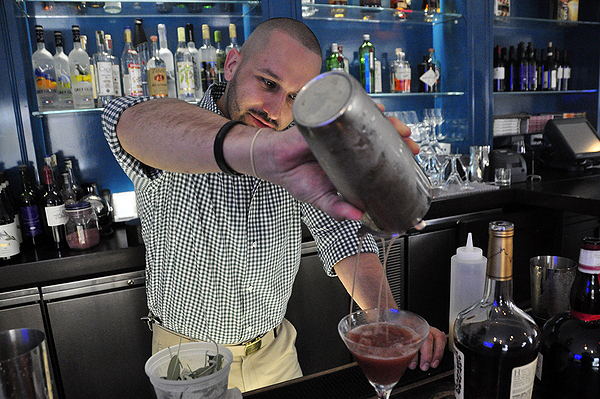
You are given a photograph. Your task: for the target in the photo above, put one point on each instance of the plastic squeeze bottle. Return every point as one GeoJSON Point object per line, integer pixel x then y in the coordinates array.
{"type": "Point", "coordinates": [467, 280]}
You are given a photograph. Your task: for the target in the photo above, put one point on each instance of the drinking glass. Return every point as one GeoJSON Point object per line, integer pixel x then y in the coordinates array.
{"type": "Point", "coordinates": [455, 181]}
{"type": "Point", "coordinates": [383, 342]}
{"type": "Point", "coordinates": [438, 116]}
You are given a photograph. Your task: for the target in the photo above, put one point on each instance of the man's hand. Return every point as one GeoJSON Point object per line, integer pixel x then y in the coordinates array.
{"type": "Point", "coordinates": [431, 352]}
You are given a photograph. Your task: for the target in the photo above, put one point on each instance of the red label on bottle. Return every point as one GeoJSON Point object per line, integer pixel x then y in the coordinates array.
{"type": "Point", "coordinates": [585, 316]}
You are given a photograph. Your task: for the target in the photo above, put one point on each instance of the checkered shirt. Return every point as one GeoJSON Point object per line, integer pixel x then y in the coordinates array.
{"type": "Point", "coordinates": [222, 251]}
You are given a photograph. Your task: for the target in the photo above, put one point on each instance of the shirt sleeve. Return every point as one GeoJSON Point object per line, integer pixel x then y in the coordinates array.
{"type": "Point", "coordinates": [139, 173]}
{"type": "Point", "coordinates": [335, 240]}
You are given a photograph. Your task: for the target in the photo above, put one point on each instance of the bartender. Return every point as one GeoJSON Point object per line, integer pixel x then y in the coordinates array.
{"type": "Point", "coordinates": [221, 191]}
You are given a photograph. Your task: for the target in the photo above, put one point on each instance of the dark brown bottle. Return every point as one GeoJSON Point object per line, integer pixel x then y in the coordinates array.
{"type": "Point", "coordinates": [569, 361]}
{"type": "Point", "coordinates": [499, 69]}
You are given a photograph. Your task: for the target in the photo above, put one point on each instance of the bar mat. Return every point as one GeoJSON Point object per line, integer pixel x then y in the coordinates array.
{"type": "Point", "coordinates": [477, 189]}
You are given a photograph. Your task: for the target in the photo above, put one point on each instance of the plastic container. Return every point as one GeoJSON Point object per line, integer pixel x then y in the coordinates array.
{"type": "Point", "coordinates": [213, 386]}
{"type": "Point", "coordinates": [467, 280]}
{"type": "Point", "coordinates": [82, 226]}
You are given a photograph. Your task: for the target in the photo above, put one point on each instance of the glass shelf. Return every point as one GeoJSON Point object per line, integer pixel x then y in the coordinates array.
{"type": "Point", "coordinates": [520, 22]}
{"type": "Point", "coordinates": [67, 111]}
{"type": "Point", "coordinates": [374, 14]}
{"type": "Point", "coordinates": [399, 95]}
{"type": "Point", "coordinates": [542, 93]}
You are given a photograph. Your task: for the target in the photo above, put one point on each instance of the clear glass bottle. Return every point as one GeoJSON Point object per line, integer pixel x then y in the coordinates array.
{"type": "Point", "coordinates": [81, 78]}
{"type": "Point", "coordinates": [191, 44]}
{"type": "Point", "coordinates": [366, 56]}
{"type": "Point", "coordinates": [67, 192]}
{"type": "Point", "coordinates": [45, 73]}
{"type": "Point", "coordinates": [569, 360]}
{"type": "Point", "coordinates": [131, 67]}
{"type": "Point", "coordinates": [496, 343]}
{"type": "Point", "coordinates": [140, 43]}
{"type": "Point", "coordinates": [157, 71]}
{"type": "Point", "coordinates": [400, 73]}
{"type": "Point", "coordinates": [220, 57]}
{"type": "Point", "coordinates": [233, 44]}
{"type": "Point", "coordinates": [116, 66]}
{"type": "Point", "coordinates": [68, 162]}
{"type": "Point", "coordinates": [184, 62]}
{"type": "Point", "coordinates": [112, 7]}
{"type": "Point", "coordinates": [103, 72]}
{"type": "Point", "coordinates": [101, 207]}
{"type": "Point", "coordinates": [63, 78]}
{"type": "Point", "coordinates": [82, 229]}
{"type": "Point", "coordinates": [208, 55]}
{"type": "Point", "coordinates": [167, 56]}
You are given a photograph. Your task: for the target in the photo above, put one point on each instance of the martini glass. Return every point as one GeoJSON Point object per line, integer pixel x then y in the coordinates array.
{"type": "Point", "coordinates": [383, 342]}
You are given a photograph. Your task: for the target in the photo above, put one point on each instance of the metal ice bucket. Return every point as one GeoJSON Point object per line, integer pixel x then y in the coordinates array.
{"type": "Point", "coordinates": [362, 153]}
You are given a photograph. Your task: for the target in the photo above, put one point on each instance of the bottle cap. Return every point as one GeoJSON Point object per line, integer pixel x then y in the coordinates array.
{"type": "Point", "coordinates": [334, 47]}
{"type": "Point", "coordinates": [469, 252]}
{"type": "Point", "coordinates": [366, 36]}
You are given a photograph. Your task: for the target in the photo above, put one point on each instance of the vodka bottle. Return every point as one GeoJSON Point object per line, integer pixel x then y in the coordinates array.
{"type": "Point", "coordinates": [167, 56]}
{"type": "Point", "coordinates": [54, 211]}
{"type": "Point", "coordinates": [220, 57]}
{"type": "Point", "coordinates": [81, 78]}
{"type": "Point", "coordinates": [400, 73]}
{"type": "Point", "coordinates": [31, 222]}
{"type": "Point", "coordinates": [366, 56]}
{"type": "Point", "coordinates": [63, 78]}
{"type": "Point", "coordinates": [140, 43]}
{"type": "Point", "coordinates": [191, 44]}
{"type": "Point", "coordinates": [45, 73]}
{"type": "Point", "coordinates": [102, 70]}
{"type": "Point", "coordinates": [208, 55]}
{"type": "Point", "coordinates": [233, 40]}
{"type": "Point", "coordinates": [116, 67]}
{"type": "Point", "coordinates": [131, 67]}
{"type": "Point", "coordinates": [157, 71]}
{"type": "Point", "coordinates": [496, 343]}
{"type": "Point", "coordinates": [184, 63]}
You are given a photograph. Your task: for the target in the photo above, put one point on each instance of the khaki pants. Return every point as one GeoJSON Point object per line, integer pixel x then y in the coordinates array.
{"type": "Point", "coordinates": [276, 361]}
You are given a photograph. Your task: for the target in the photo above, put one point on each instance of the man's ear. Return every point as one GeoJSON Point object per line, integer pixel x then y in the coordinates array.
{"type": "Point", "coordinates": [232, 62]}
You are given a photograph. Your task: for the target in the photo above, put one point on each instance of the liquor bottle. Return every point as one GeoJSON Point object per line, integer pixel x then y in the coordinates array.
{"type": "Point", "coordinates": [233, 40]}
{"type": "Point", "coordinates": [31, 222]}
{"type": "Point", "coordinates": [220, 56]}
{"type": "Point", "coordinates": [569, 360]}
{"type": "Point", "coordinates": [431, 6]}
{"type": "Point", "coordinates": [198, 72]}
{"type": "Point", "coordinates": [338, 12]}
{"type": "Point", "coordinates": [333, 61]}
{"type": "Point", "coordinates": [532, 67]}
{"type": "Point", "coordinates": [400, 73]}
{"type": "Point", "coordinates": [369, 8]}
{"type": "Point", "coordinates": [112, 7]}
{"type": "Point", "coordinates": [156, 68]}
{"type": "Point", "coordinates": [102, 72]}
{"type": "Point", "coordinates": [495, 342]}
{"type": "Point", "coordinates": [559, 69]}
{"type": "Point", "coordinates": [344, 59]}
{"type": "Point", "coordinates": [401, 6]}
{"type": "Point", "coordinates": [116, 66]}
{"type": "Point", "coordinates": [10, 203]}
{"type": "Point", "coordinates": [66, 191]}
{"type": "Point", "coordinates": [51, 162]}
{"type": "Point", "coordinates": [429, 73]}
{"type": "Point", "coordinates": [366, 56]}
{"type": "Point", "coordinates": [208, 55]}
{"type": "Point", "coordinates": [45, 73]}
{"type": "Point", "coordinates": [499, 70]}
{"type": "Point", "coordinates": [184, 63]}
{"type": "Point", "coordinates": [74, 184]}
{"type": "Point", "coordinates": [131, 67]}
{"type": "Point", "coordinates": [9, 243]}
{"type": "Point", "coordinates": [54, 211]}
{"type": "Point", "coordinates": [164, 8]}
{"type": "Point", "coordinates": [166, 55]}
{"type": "Point", "coordinates": [377, 73]}
{"type": "Point", "coordinates": [63, 78]}
{"type": "Point", "coordinates": [550, 70]}
{"type": "Point", "coordinates": [566, 71]}
{"type": "Point", "coordinates": [81, 78]}
{"type": "Point", "coordinates": [140, 43]}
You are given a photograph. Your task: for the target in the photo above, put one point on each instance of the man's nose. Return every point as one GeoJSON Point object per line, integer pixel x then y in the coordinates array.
{"type": "Point", "coordinates": [274, 105]}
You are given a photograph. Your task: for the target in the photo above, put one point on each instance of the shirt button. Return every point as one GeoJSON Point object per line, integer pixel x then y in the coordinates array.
{"type": "Point", "coordinates": [249, 328]}
{"type": "Point", "coordinates": [254, 244]}
{"type": "Point", "coordinates": [250, 288]}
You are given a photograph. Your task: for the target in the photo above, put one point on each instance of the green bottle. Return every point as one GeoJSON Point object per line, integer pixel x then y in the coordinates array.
{"type": "Point", "coordinates": [366, 55]}
{"type": "Point", "coordinates": [334, 62]}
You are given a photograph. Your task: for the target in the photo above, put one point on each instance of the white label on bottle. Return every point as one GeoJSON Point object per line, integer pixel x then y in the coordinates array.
{"type": "Point", "coordinates": [552, 80]}
{"type": "Point", "coordinates": [429, 77]}
{"type": "Point", "coordinates": [378, 87]}
{"type": "Point", "coordinates": [56, 215]}
{"type": "Point", "coordinates": [459, 374]}
{"type": "Point", "coordinates": [116, 71]}
{"type": "Point", "coordinates": [9, 243]}
{"type": "Point", "coordinates": [567, 73]}
{"type": "Point", "coordinates": [104, 78]}
{"type": "Point", "coordinates": [499, 73]}
{"type": "Point", "coordinates": [538, 367]}
{"type": "Point", "coordinates": [185, 76]}
{"type": "Point", "coordinates": [404, 74]}
{"type": "Point", "coordinates": [521, 382]}
{"type": "Point", "coordinates": [589, 261]}
{"type": "Point", "coordinates": [135, 79]}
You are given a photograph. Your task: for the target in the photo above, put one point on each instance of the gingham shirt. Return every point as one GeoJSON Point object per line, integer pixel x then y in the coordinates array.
{"type": "Point", "coordinates": [222, 251]}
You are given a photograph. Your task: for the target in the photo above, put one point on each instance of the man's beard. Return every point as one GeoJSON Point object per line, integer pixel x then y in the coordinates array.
{"type": "Point", "coordinates": [235, 111]}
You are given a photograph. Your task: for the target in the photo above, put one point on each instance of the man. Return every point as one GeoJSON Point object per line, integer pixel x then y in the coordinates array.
{"type": "Point", "coordinates": [223, 248]}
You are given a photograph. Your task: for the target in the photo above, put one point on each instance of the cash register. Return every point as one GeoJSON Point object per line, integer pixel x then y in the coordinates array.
{"type": "Point", "coordinates": [575, 144]}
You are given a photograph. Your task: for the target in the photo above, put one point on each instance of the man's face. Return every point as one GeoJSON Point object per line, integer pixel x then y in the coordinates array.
{"type": "Point", "coordinates": [263, 87]}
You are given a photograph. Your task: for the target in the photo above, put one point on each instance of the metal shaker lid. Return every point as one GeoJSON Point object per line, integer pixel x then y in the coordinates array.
{"type": "Point", "coordinates": [322, 99]}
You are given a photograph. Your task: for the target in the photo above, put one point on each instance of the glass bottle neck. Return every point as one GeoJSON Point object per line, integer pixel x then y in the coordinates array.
{"type": "Point", "coordinates": [498, 292]}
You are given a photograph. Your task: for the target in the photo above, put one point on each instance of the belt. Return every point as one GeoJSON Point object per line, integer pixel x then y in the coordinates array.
{"type": "Point", "coordinates": [245, 348]}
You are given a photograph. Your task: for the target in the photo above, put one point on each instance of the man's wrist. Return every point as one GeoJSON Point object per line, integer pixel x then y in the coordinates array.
{"type": "Point", "coordinates": [218, 148]}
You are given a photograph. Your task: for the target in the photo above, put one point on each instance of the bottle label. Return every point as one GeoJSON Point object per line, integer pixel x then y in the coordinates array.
{"type": "Point", "coordinates": [116, 71]}
{"type": "Point", "coordinates": [521, 384]}
{"type": "Point", "coordinates": [585, 316]}
{"type": "Point", "coordinates": [32, 225]}
{"type": "Point", "coordinates": [567, 73]}
{"type": "Point", "coordinates": [104, 78]}
{"type": "Point", "coordinates": [589, 261]}
{"type": "Point", "coordinates": [185, 76]}
{"type": "Point", "coordinates": [539, 366]}
{"type": "Point", "coordinates": [45, 79]}
{"type": "Point", "coordinates": [134, 85]}
{"type": "Point", "coordinates": [9, 243]}
{"type": "Point", "coordinates": [368, 69]}
{"type": "Point", "coordinates": [56, 215]}
{"type": "Point", "coordinates": [157, 82]}
{"type": "Point", "coordinates": [378, 87]}
{"type": "Point", "coordinates": [429, 77]}
{"type": "Point", "coordinates": [499, 73]}
{"type": "Point", "coordinates": [459, 374]}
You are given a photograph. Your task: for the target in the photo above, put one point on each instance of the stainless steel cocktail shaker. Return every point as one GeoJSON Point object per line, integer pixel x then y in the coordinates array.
{"type": "Point", "coordinates": [362, 153]}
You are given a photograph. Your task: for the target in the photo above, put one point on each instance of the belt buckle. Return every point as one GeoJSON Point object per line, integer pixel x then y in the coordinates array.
{"type": "Point", "coordinates": [252, 346]}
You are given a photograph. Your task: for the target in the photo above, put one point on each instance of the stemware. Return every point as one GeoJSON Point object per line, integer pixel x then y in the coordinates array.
{"type": "Point", "coordinates": [455, 181]}
{"type": "Point", "coordinates": [383, 342]}
{"type": "Point", "coordinates": [438, 116]}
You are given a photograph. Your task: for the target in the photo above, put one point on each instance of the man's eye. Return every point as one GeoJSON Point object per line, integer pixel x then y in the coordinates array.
{"type": "Point", "coordinates": [292, 97]}
{"type": "Point", "coordinates": [269, 83]}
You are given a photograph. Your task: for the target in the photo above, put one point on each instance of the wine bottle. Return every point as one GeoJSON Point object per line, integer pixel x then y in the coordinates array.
{"type": "Point", "coordinates": [10, 204]}
{"type": "Point", "coordinates": [366, 56]}
{"type": "Point", "coordinates": [550, 70]}
{"type": "Point", "coordinates": [9, 243]}
{"type": "Point", "coordinates": [81, 78]}
{"type": "Point", "coordinates": [499, 69]}
{"type": "Point", "coordinates": [233, 40]}
{"type": "Point", "coordinates": [220, 57]}
{"type": "Point", "coordinates": [208, 57]}
{"type": "Point", "coordinates": [569, 360]}
{"type": "Point", "coordinates": [532, 67]}
{"type": "Point", "coordinates": [54, 211]}
{"type": "Point", "coordinates": [566, 71]}
{"type": "Point", "coordinates": [31, 222]}
{"type": "Point", "coordinates": [63, 78]}
{"type": "Point", "coordinates": [156, 68]}
{"type": "Point", "coordinates": [496, 343]}
{"type": "Point", "coordinates": [45, 73]}
{"type": "Point", "coordinates": [559, 69]}
{"type": "Point", "coordinates": [511, 71]}
{"type": "Point", "coordinates": [523, 82]}
{"type": "Point", "coordinates": [184, 63]}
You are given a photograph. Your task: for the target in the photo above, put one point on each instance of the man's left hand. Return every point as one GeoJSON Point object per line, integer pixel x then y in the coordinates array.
{"type": "Point", "coordinates": [431, 352]}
